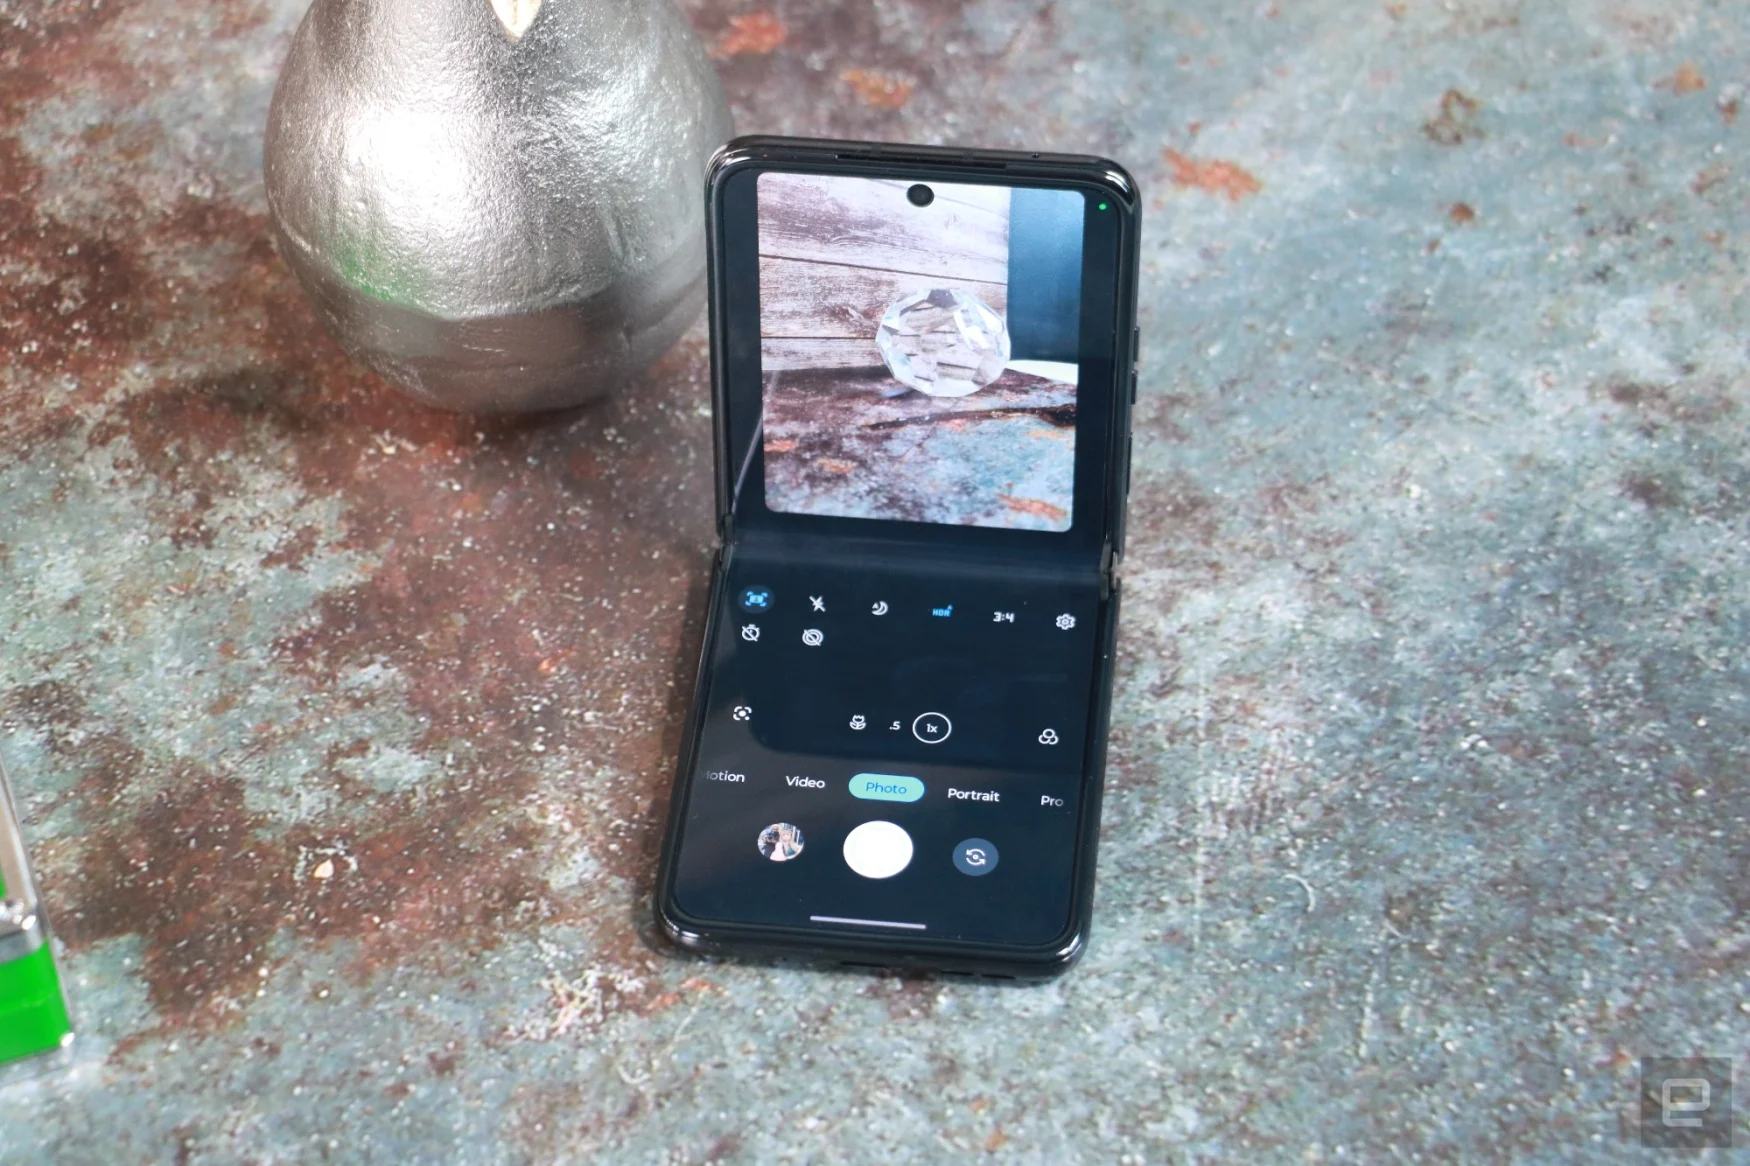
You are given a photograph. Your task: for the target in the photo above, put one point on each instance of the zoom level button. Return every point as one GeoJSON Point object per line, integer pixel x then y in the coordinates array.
{"type": "Point", "coordinates": [932, 728]}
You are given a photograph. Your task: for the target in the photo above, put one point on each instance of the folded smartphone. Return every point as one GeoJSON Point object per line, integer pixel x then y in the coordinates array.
{"type": "Point", "coordinates": [923, 371]}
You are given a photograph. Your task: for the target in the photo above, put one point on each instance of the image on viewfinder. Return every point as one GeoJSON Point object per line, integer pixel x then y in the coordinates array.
{"type": "Point", "coordinates": [920, 362]}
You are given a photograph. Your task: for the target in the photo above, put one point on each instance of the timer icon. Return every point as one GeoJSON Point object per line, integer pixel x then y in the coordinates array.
{"type": "Point", "coordinates": [1066, 621]}
{"type": "Point", "coordinates": [750, 632]}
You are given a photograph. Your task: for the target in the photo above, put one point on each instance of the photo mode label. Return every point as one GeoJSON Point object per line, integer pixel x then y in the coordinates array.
{"type": "Point", "coordinates": [886, 787]}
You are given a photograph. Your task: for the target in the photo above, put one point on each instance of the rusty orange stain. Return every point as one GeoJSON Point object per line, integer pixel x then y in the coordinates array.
{"type": "Point", "coordinates": [1709, 178]}
{"type": "Point", "coordinates": [781, 445]}
{"type": "Point", "coordinates": [878, 90]}
{"type": "Point", "coordinates": [1729, 111]}
{"type": "Point", "coordinates": [833, 465]}
{"type": "Point", "coordinates": [1035, 507]}
{"type": "Point", "coordinates": [754, 33]}
{"type": "Point", "coordinates": [1456, 120]}
{"type": "Point", "coordinates": [1686, 80]}
{"type": "Point", "coordinates": [1213, 175]}
{"type": "Point", "coordinates": [1462, 213]}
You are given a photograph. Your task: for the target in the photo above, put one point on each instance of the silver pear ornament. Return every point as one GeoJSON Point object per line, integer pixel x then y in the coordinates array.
{"type": "Point", "coordinates": [496, 204]}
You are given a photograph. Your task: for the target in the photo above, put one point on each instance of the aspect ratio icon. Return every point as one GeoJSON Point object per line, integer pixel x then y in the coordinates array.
{"type": "Point", "coordinates": [756, 599]}
{"type": "Point", "coordinates": [750, 632]}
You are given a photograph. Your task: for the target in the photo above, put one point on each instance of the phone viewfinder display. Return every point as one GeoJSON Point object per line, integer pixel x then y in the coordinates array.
{"type": "Point", "coordinates": [919, 349]}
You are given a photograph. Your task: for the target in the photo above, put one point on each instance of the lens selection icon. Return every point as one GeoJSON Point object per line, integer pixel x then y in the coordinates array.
{"type": "Point", "coordinates": [1066, 621]}
{"type": "Point", "coordinates": [813, 637]}
{"type": "Point", "coordinates": [931, 728]}
{"type": "Point", "coordinates": [780, 842]}
{"type": "Point", "coordinates": [750, 632]}
{"type": "Point", "coordinates": [1048, 737]}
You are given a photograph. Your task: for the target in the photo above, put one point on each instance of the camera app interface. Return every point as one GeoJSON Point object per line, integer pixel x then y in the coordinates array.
{"type": "Point", "coordinates": [919, 349]}
{"type": "Point", "coordinates": [891, 754]}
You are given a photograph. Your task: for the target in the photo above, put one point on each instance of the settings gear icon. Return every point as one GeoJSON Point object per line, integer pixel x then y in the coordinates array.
{"type": "Point", "coordinates": [1066, 621]}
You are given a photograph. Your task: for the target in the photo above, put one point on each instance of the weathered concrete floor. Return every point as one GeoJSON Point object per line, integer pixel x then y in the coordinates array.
{"type": "Point", "coordinates": [1429, 757]}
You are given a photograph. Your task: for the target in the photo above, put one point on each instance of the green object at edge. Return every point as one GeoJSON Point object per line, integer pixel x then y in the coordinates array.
{"type": "Point", "coordinates": [33, 1012]}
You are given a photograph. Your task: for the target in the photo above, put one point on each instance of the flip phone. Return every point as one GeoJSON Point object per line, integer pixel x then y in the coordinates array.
{"type": "Point", "coordinates": [923, 373]}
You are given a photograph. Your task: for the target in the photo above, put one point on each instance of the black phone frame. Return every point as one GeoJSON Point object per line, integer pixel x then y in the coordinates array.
{"type": "Point", "coordinates": [1097, 553]}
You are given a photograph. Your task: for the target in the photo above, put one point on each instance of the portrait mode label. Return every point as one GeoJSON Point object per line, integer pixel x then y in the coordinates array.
{"type": "Point", "coordinates": [886, 787]}
{"type": "Point", "coordinates": [973, 795]}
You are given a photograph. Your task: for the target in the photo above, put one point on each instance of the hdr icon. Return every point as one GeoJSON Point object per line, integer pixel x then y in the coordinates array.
{"type": "Point", "coordinates": [1686, 1103]}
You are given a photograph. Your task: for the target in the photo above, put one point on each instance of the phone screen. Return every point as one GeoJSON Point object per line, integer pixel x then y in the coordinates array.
{"type": "Point", "coordinates": [919, 349]}
{"type": "Point", "coordinates": [893, 742]}
{"type": "Point", "coordinates": [891, 753]}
